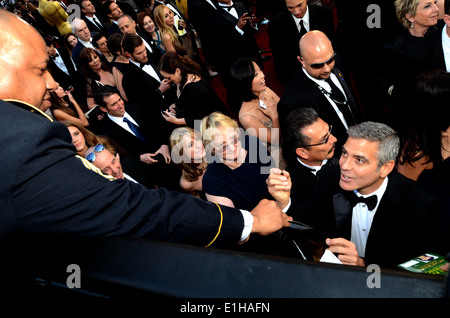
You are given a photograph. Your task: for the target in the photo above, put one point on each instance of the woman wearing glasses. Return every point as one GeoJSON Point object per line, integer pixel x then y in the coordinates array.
{"type": "Point", "coordinates": [258, 112]}
{"type": "Point", "coordinates": [238, 164]}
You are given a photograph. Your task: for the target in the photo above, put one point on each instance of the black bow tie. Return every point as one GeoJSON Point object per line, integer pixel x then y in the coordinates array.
{"type": "Point", "coordinates": [228, 7]}
{"type": "Point", "coordinates": [54, 57]}
{"type": "Point", "coordinates": [370, 201]}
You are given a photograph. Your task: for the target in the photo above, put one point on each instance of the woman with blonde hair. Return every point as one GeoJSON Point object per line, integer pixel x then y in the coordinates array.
{"type": "Point", "coordinates": [172, 41]}
{"type": "Point", "coordinates": [413, 51]}
{"type": "Point", "coordinates": [238, 164]}
{"type": "Point", "coordinates": [188, 152]}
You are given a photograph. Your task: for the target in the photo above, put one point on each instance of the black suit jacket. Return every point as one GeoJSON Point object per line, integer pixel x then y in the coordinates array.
{"type": "Point", "coordinates": [200, 12]}
{"type": "Point", "coordinates": [404, 225]}
{"type": "Point", "coordinates": [76, 55]}
{"type": "Point", "coordinates": [284, 38]}
{"type": "Point", "coordinates": [155, 134]}
{"type": "Point", "coordinates": [227, 44]}
{"type": "Point", "coordinates": [141, 87]}
{"type": "Point", "coordinates": [155, 56]}
{"type": "Point", "coordinates": [303, 92]}
{"type": "Point", "coordinates": [93, 27]}
{"type": "Point", "coordinates": [304, 181]}
{"type": "Point", "coordinates": [59, 75]}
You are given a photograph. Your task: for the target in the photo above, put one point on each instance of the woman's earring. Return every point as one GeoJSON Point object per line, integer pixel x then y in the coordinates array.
{"type": "Point", "coordinates": [412, 25]}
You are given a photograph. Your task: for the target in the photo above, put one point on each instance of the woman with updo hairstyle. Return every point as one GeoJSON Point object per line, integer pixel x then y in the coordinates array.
{"type": "Point", "coordinates": [409, 54]}
{"type": "Point", "coordinates": [196, 98]}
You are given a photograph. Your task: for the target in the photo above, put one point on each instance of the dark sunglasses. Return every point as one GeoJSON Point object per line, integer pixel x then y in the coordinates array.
{"type": "Point", "coordinates": [91, 156]}
{"type": "Point", "coordinates": [317, 66]}
{"type": "Point", "coordinates": [324, 141]}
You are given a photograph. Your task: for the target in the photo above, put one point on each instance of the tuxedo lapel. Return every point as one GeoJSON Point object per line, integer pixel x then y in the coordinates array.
{"type": "Point", "coordinates": [343, 214]}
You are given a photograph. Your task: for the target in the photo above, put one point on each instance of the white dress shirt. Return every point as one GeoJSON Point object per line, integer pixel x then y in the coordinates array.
{"type": "Point", "coordinates": [119, 121]}
{"type": "Point", "coordinates": [305, 20]}
{"type": "Point", "coordinates": [148, 69]}
{"type": "Point", "coordinates": [60, 63]}
{"type": "Point", "coordinates": [314, 169]}
{"type": "Point", "coordinates": [362, 219]}
{"type": "Point", "coordinates": [446, 47]}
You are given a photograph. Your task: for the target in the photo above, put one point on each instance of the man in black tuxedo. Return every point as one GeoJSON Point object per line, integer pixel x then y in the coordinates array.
{"type": "Point", "coordinates": [94, 22]}
{"type": "Point", "coordinates": [128, 26]}
{"type": "Point", "coordinates": [142, 81]}
{"type": "Point", "coordinates": [286, 29]}
{"type": "Point", "coordinates": [308, 147]}
{"type": "Point", "coordinates": [319, 84]}
{"type": "Point", "coordinates": [371, 214]}
{"type": "Point", "coordinates": [63, 71]}
{"type": "Point", "coordinates": [143, 137]}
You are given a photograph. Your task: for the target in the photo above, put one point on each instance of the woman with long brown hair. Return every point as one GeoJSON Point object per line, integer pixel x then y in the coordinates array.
{"type": "Point", "coordinates": [65, 107]}
{"type": "Point", "coordinates": [96, 72]}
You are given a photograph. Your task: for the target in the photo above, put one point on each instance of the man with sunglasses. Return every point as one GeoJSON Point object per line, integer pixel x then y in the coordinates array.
{"type": "Point", "coordinates": [111, 164]}
{"type": "Point", "coordinates": [320, 85]}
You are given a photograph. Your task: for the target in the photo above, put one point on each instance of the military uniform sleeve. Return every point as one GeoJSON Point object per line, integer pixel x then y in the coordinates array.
{"type": "Point", "coordinates": [55, 192]}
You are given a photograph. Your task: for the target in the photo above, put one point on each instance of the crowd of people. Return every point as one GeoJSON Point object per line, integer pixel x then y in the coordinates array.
{"type": "Point", "coordinates": [132, 85]}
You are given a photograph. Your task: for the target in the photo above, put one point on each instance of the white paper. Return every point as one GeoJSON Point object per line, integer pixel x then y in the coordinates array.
{"type": "Point", "coordinates": [329, 257]}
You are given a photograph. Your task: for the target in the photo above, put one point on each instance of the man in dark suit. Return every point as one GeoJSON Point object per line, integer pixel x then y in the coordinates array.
{"type": "Point", "coordinates": [113, 165]}
{"type": "Point", "coordinates": [142, 81]}
{"type": "Point", "coordinates": [82, 32]}
{"type": "Point", "coordinates": [94, 22]}
{"type": "Point", "coordinates": [145, 138]}
{"type": "Point", "coordinates": [233, 36]}
{"type": "Point", "coordinates": [199, 13]}
{"type": "Point", "coordinates": [319, 84]}
{"type": "Point", "coordinates": [128, 26]}
{"type": "Point", "coordinates": [63, 70]}
{"type": "Point", "coordinates": [286, 29]}
{"type": "Point", "coordinates": [372, 214]}
{"type": "Point", "coordinates": [46, 161]}
{"type": "Point", "coordinates": [308, 147]}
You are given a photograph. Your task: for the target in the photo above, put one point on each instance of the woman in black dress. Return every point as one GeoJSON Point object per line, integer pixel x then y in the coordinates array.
{"type": "Point", "coordinates": [196, 97]}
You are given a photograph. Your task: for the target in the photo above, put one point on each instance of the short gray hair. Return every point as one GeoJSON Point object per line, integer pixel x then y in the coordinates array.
{"type": "Point", "coordinates": [389, 142]}
{"type": "Point", "coordinates": [76, 24]}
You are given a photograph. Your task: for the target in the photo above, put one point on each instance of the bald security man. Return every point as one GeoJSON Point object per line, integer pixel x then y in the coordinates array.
{"type": "Point", "coordinates": [321, 85]}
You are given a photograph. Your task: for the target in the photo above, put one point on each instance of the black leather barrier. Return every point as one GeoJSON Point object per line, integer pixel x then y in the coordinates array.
{"type": "Point", "coordinates": [123, 267]}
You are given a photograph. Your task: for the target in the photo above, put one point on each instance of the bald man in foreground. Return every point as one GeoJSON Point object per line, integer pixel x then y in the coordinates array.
{"type": "Point", "coordinates": [47, 190]}
{"type": "Point", "coordinates": [320, 84]}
